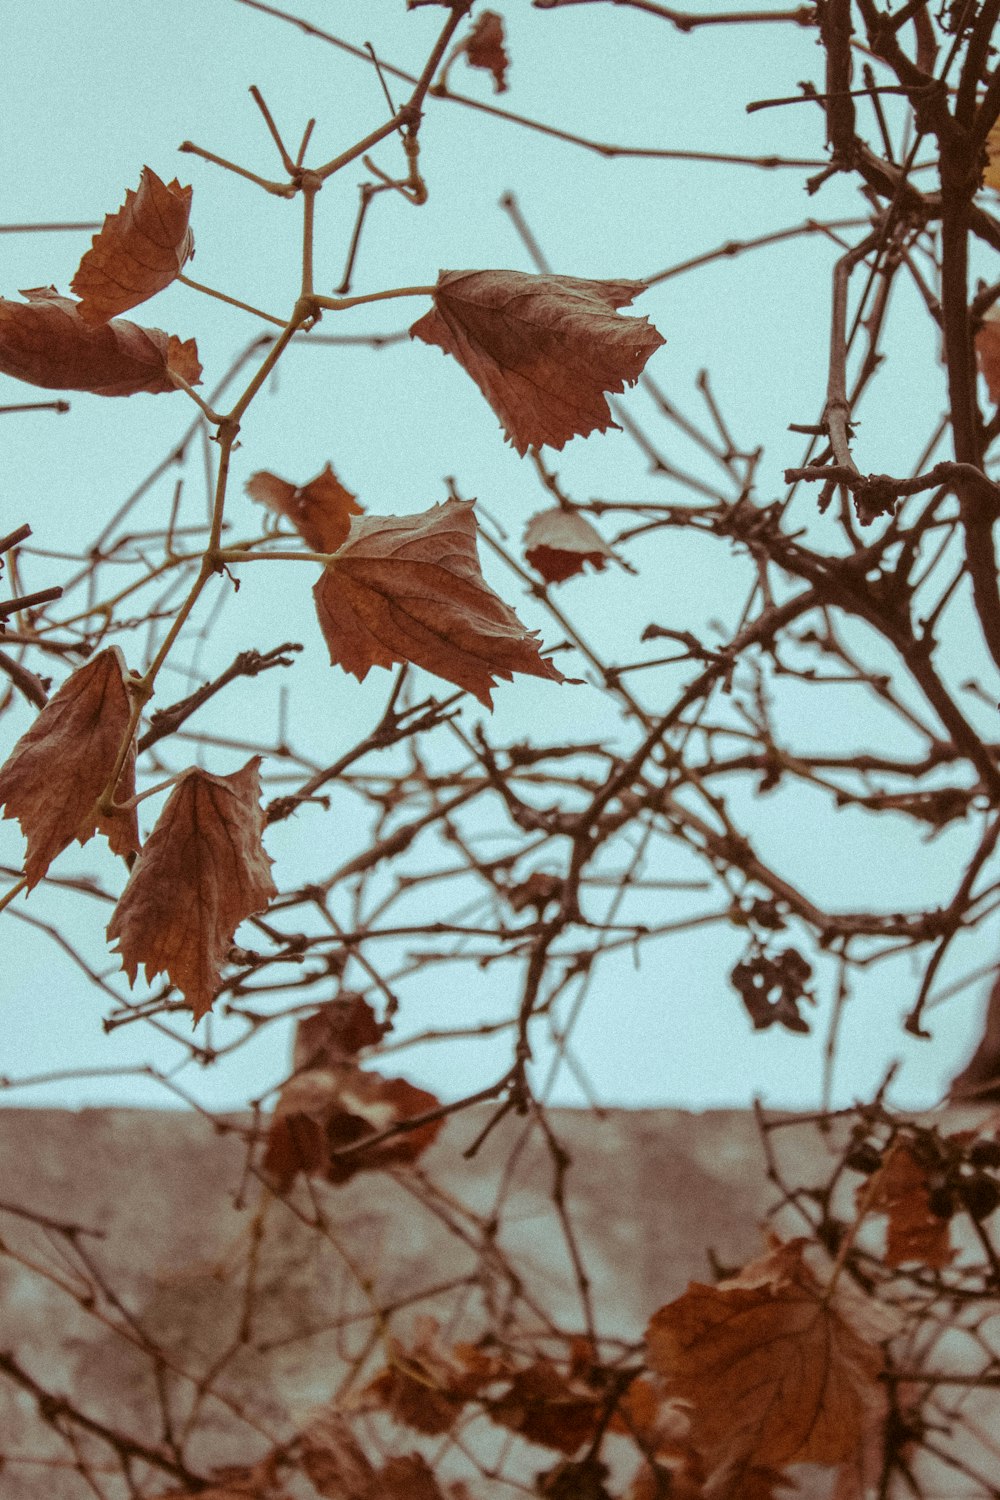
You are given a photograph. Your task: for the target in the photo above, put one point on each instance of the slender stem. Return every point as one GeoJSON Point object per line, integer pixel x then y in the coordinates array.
{"type": "Point", "coordinates": [338, 304]}
{"type": "Point", "coordinates": [258, 99]}
{"type": "Point", "coordinates": [279, 189]}
{"type": "Point", "coordinates": [14, 890]}
{"type": "Point", "coordinates": [209, 291]}
{"type": "Point", "coordinates": [311, 185]}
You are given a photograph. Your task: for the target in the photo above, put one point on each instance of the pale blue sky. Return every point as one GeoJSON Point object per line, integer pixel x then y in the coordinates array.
{"type": "Point", "coordinates": [93, 91]}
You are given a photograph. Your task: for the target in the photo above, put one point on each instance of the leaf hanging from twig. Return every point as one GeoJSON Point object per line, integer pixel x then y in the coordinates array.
{"type": "Point", "coordinates": [320, 511]}
{"type": "Point", "coordinates": [58, 769]}
{"type": "Point", "coordinates": [44, 341]}
{"type": "Point", "coordinates": [140, 250]}
{"type": "Point", "coordinates": [202, 870]}
{"type": "Point", "coordinates": [409, 589]}
{"type": "Point", "coordinates": [542, 349]}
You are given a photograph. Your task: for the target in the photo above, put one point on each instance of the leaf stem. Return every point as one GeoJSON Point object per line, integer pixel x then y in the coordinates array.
{"type": "Point", "coordinates": [209, 291]}
{"type": "Point", "coordinates": [15, 890]}
{"type": "Point", "coordinates": [339, 304]}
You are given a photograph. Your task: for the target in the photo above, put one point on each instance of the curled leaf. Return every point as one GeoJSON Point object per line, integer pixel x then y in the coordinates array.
{"type": "Point", "coordinates": [427, 1384]}
{"type": "Point", "coordinates": [46, 342]}
{"type": "Point", "coordinates": [140, 250]}
{"type": "Point", "coordinates": [57, 770]}
{"type": "Point", "coordinates": [202, 871]}
{"type": "Point", "coordinates": [544, 1405]}
{"type": "Point", "coordinates": [337, 1031]}
{"type": "Point", "coordinates": [775, 1371]}
{"type": "Point", "coordinates": [542, 349]}
{"type": "Point", "coordinates": [559, 543]}
{"type": "Point", "coordinates": [900, 1190]}
{"type": "Point", "coordinates": [320, 511]}
{"type": "Point", "coordinates": [322, 1110]}
{"type": "Point", "coordinates": [484, 48]}
{"type": "Point", "coordinates": [409, 589]}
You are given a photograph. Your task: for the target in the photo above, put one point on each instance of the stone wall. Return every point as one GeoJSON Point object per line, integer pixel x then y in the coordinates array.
{"type": "Point", "coordinates": [258, 1316]}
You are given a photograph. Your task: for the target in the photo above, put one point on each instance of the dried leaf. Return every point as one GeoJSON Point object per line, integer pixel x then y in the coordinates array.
{"type": "Point", "coordinates": [547, 1407]}
{"type": "Point", "coordinates": [409, 589]}
{"type": "Point", "coordinates": [484, 48]}
{"type": "Point", "coordinates": [575, 1481]}
{"type": "Point", "coordinates": [900, 1189]}
{"type": "Point", "coordinates": [333, 1459]}
{"type": "Point", "coordinates": [338, 1468]}
{"type": "Point", "coordinates": [140, 250]}
{"type": "Point", "coordinates": [57, 770]}
{"type": "Point", "coordinates": [559, 543]}
{"type": "Point", "coordinates": [427, 1384]}
{"type": "Point", "coordinates": [45, 341]}
{"type": "Point", "coordinates": [542, 349]}
{"type": "Point", "coordinates": [747, 1482]}
{"type": "Point", "coordinates": [774, 1372]}
{"type": "Point", "coordinates": [319, 1112]}
{"type": "Point", "coordinates": [202, 871]}
{"type": "Point", "coordinates": [243, 1482]}
{"type": "Point", "coordinates": [320, 511]}
{"type": "Point", "coordinates": [988, 354]}
{"type": "Point", "coordinates": [338, 1030]}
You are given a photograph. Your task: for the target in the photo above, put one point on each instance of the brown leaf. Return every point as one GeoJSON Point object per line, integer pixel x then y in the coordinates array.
{"type": "Point", "coordinates": [988, 354]}
{"type": "Point", "coordinates": [243, 1482]}
{"type": "Point", "coordinates": [338, 1468]}
{"type": "Point", "coordinates": [547, 1407]}
{"type": "Point", "coordinates": [900, 1189]}
{"type": "Point", "coordinates": [320, 511]}
{"type": "Point", "coordinates": [542, 349]}
{"type": "Point", "coordinates": [774, 1372]}
{"type": "Point", "coordinates": [338, 1030]}
{"type": "Point", "coordinates": [559, 543]}
{"type": "Point", "coordinates": [333, 1459]}
{"type": "Point", "coordinates": [321, 1111]}
{"type": "Point", "coordinates": [484, 48]}
{"type": "Point", "coordinates": [409, 589]}
{"type": "Point", "coordinates": [575, 1481]}
{"type": "Point", "coordinates": [57, 770]}
{"type": "Point", "coordinates": [427, 1384]}
{"type": "Point", "coordinates": [140, 250]}
{"type": "Point", "coordinates": [45, 341]}
{"type": "Point", "coordinates": [202, 870]}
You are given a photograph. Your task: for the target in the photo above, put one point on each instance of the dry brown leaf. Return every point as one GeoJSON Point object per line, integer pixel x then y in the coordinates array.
{"type": "Point", "coordinates": [988, 355]}
{"type": "Point", "coordinates": [542, 349]}
{"type": "Point", "coordinates": [242, 1482]}
{"type": "Point", "coordinates": [45, 341]}
{"type": "Point", "coordinates": [333, 1458]}
{"type": "Point", "coordinates": [407, 1478]}
{"type": "Point", "coordinates": [427, 1384]}
{"type": "Point", "coordinates": [546, 1406]}
{"type": "Point", "coordinates": [320, 511]}
{"type": "Point", "coordinates": [774, 1372]}
{"type": "Point", "coordinates": [900, 1189]}
{"type": "Point", "coordinates": [338, 1468]}
{"type": "Point", "coordinates": [322, 1110]}
{"type": "Point", "coordinates": [57, 770]}
{"type": "Point", "coordinates": [575, 1481]}
{"type": "Point", "coordinates": [484, 48]}
{"type": "Point", "coordinates": [202, 871]}
{"type": "Point", "coordinates": [559, 543]}
{"type": "Point", "coordinates": [140, 250]}
{"type": "Point", "coordinates": [409, 589]}
{"type": "Point", "coordinates": [338, 1030]}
